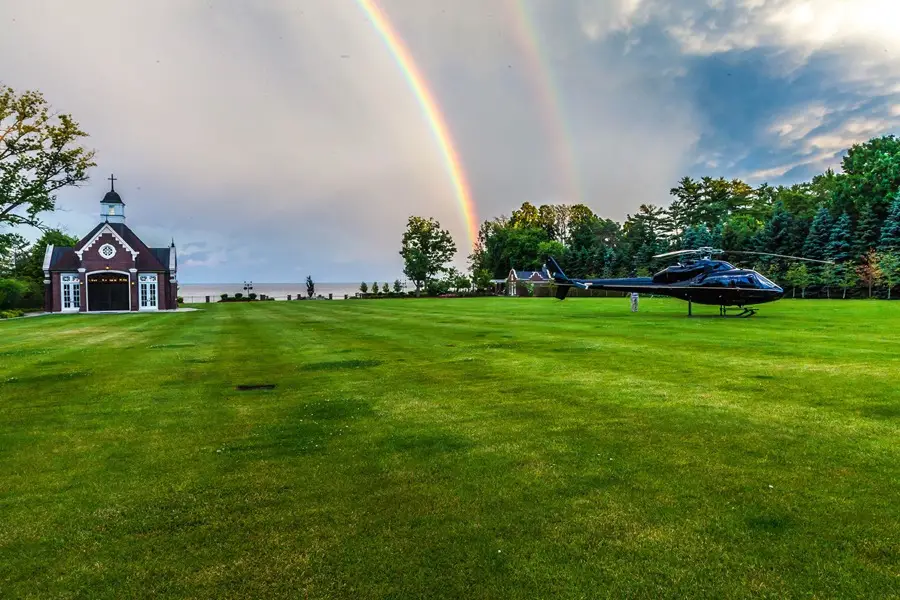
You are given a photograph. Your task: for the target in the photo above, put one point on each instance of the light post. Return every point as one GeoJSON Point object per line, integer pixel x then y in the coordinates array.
{"type": "Point", "coordinates": [248, 287]}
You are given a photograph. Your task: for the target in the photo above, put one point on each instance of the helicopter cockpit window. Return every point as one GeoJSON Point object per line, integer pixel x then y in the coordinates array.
{"type": "Point", "coordinates": [765, 282]}
{"type": "Point", "coordinates": [714, 282]}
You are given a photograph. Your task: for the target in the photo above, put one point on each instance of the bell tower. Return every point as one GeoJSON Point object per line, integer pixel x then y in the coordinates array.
{"type": "Point", "coordinates": [112, 209]}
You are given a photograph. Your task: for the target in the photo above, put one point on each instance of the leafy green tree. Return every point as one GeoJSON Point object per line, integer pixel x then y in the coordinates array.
{"type": "Point", "coordinates": [13, 255]}
{"type": "Point", "coordinates": [375, 289]}
{"type": "Point", "coordinates": [888, 269]}
{"type": "Point", "coordinates": [829, 275]}
{"type": "Point", "coordinates": [310, 286]}
{"type": "Point", "coordinates": [398, 287]}
{"type": "Point", "coordinates": [890, 232]}
{"type": "Point", "coordinates": [847, 277]}
{"type": "Point", "coordinates": [798, 276]}
{"type": "Point", "coordinates": [363, 287]}
{"type": "Point", "coordinates": [527, 217]}
{"type": "Point", "coordinates": [39, 154]}
{"type": "Point", "coordinates": [871, 174]}
{"type": "Point", "coordinates": [482, 280]}
{"type": "Point", "coordinates": [840, 242]}
{"type": "Point", "coordinates": [426, 249]}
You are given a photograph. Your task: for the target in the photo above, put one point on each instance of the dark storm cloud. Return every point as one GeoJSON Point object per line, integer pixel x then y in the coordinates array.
{"type": "Point", "coordinates": [277, 139]}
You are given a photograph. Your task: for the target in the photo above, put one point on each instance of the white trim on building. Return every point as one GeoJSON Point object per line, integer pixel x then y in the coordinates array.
{"type": "Point", "coordinates": [106, 229]}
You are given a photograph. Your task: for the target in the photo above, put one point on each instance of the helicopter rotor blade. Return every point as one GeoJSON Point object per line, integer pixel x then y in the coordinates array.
{"type": "Point", "coordinates": [824, 262]}
{"type": "Point", "coordinates": [676, 253]}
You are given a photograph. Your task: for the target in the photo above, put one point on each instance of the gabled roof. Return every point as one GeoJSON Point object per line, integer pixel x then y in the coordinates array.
{"type": "Point", "coordinates": [144, 257]}
{"type": "Point", "coordinates": [526, 275]}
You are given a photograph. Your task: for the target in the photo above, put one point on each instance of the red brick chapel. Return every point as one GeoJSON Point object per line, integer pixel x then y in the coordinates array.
{"type": "Point", "coordinates": [110, 269]}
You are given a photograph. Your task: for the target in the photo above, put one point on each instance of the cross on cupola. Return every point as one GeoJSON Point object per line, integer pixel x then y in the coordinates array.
{"type": "Point", "coordinates": [112, 209]}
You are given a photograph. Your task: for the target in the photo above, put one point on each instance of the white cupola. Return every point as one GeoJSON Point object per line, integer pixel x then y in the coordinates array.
{"type": "Point", "coordinates": [112, 209]}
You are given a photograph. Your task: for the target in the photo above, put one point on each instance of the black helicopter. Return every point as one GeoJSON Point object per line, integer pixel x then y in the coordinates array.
{"type": "Point", "coordinates": [702, 280]}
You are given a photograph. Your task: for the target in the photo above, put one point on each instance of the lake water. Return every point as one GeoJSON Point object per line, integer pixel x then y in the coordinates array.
{"type": "Point", "coordinates": [197, 292]}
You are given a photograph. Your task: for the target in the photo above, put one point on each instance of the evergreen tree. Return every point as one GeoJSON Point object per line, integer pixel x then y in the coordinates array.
{"type": "Point", "coordinates": [890, 233]}
{"type": "Point", "coordinates": [839, 242]}
{"type": "Point", "coordinates": [868, 230]}
{"type": "Point", "coordinates": [777, 235]}
{"type": "Point", "coordinates": [819, 235]}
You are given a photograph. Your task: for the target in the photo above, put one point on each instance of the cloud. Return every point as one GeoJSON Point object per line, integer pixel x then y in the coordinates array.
{"type": "Point", "coordinates": [277, 136]}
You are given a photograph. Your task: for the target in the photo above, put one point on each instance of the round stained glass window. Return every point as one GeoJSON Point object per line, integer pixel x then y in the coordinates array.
{"type": "Point", "coordinates": [107, 251]}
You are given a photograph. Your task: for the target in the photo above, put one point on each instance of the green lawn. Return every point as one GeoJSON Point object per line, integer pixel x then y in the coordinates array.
{"type": "Point", "coordinates": [490, 448]}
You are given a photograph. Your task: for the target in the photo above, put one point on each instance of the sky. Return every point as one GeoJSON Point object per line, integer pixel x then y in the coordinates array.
{"type": "Point", "coordinates": [282, 138]}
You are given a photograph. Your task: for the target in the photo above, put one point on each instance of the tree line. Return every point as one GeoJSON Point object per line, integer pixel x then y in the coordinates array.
{"type": "Point", "coordinates": [851, 217]}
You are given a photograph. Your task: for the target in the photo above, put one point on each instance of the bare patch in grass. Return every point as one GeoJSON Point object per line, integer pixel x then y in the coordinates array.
{"type": "Point", "coordinates": [337, 365]}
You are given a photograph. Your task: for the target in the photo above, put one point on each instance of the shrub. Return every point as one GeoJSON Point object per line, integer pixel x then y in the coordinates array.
{"type": "Point", "coordinates": [12, 293]}
{"type": "Point", "coordinates": [437, 288]}
{"type": "Point", "coordinates": [224, 297]}
{"type": "Point", "coordinates": [11, 314]}
{"type": "Point", "coordinates": [179, 300]}
{"type": "Point", "coordinates": [252, 295]}
{"type": "Point", "coordinates": [238, 296]}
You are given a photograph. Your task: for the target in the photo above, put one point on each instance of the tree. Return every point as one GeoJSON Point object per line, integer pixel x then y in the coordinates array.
{"type": "Point", "coordinates": [889, 269]}
{"type": "Point", "coordinates": [840, 242]}
{"type": "Point", "coordinates": [867, 272]}
{"type": "Point", "coordinates": [426, 249]}
{"type": "Point", "coordinates": [868, 231]}
{"type": "Point", "coordinates": [829, 275]}
{"type": "Point", "coordinates": [310, 286]}
{"type": "Point", "coordinates": [385, 288]}
{"type": "Point", "coordinates": [39, 154]}
{"type": "Point", "coordinates": [890, 232]}
{"type": "Point", "coordinates": [13, 254]}
{"type": "Point", "coordinates": [398, 287]}
{"type": "Point", "coordinates": [819, 235]}
{"type": "Point", "coordinates": [363, 287]}
{"type": "Point", "coordinates": [375, 289]}
{"type": "Point", "coordinates": [798, 276]}
{"type": "Point", "coordinates": [482, 280]}
{"type": "Point", "coordinates": [847, 277]}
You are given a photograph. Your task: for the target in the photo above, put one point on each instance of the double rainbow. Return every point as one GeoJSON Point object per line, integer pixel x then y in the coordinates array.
{"type": "Point", "coordinates": [432, 113]}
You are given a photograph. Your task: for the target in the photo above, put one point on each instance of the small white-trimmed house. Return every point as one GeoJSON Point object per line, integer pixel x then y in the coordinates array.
{"type": "Point", "coordinates": [516, 282]}
{"type": "Point", "coordinates": [110, 269]}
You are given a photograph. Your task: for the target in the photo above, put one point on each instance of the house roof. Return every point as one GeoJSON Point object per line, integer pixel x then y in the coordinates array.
{"type": "Point", "coordinates": [63, 259]}
{"type": "Point", "coordinates": [162, 255]}
{"type": "Point", "coordinates": [533, 275]}
{"type": "Point", "coordinates": [148, 259]}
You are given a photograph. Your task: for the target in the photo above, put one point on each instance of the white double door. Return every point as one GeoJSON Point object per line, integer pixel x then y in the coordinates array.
{"type": "Point", "coordinates": [148, 292]}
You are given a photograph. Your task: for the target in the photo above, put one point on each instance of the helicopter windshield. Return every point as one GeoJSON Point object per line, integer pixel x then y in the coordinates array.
{"type": "Point", "coordinates": [765, 282]}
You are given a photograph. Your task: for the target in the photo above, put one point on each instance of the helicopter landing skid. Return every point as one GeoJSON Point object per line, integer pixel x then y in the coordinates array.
{"type": "Point", "coordinates": [746, 311]}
